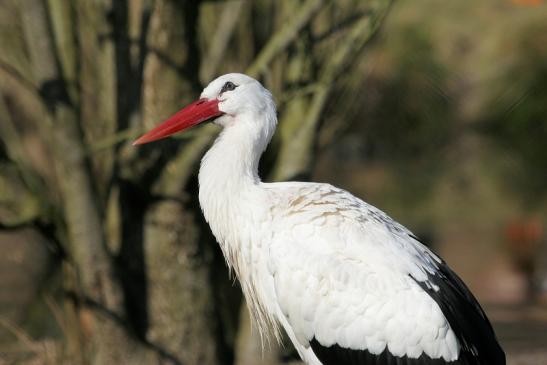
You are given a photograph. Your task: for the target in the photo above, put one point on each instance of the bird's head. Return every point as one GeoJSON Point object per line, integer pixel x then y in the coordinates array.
{"type": "Point", "coordinates": [227, 100]}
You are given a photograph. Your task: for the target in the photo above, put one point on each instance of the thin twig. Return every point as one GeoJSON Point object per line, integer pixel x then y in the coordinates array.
{"type": "Point", "coordinates": [114, 139]}
{"type": "Point", "coordinates": [20, 334]}
{"type": "Point", "coordinates": [291, 94]}
{"type": "Point", "coordinates": [133, 132]}
{"type": "Point", "coordinates": [57, 313]}
{"type": "Point", "coordinates": [179, 169]}
{"type": "Point", "coordinates": [13, 73]}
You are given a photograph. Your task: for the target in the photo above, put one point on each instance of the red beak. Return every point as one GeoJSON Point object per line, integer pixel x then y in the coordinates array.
{"type": "Point", "coordinates": [195, 113]}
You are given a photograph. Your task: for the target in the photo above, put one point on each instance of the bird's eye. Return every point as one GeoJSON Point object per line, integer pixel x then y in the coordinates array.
{"type": "Point", "coordinates": [228, 86]}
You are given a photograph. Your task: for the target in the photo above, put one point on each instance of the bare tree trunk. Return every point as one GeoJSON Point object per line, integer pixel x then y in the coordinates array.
{"type": "Point", "coordinates": [97, 292]}
{"type": "Point", "coordinates": [181, 304]}
{"type": "Point", "coordinates": [178, 268]}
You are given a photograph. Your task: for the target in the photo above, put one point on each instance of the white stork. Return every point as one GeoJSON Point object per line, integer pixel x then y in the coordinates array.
{"type": "Point", "coordinates": [346, 282]}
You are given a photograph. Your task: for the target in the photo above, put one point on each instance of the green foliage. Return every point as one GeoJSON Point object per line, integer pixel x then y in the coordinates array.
{"type": "Point", "coordinates": [516, 121]}
{"type": "Point", "coordinates": [406, 118]}
{"type": "Point", "coordinates": [412, 118]}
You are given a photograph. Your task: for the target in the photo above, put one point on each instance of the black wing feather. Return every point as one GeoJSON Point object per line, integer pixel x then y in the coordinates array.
{"type": "Point", "coordinates": [336, 355]}
{"type": "Point", "coordinates": [466, 318]}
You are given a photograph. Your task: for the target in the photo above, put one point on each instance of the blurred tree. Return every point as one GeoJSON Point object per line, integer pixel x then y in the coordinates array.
{"type": "Point", "coordinates": [407, 118]}
{"type": "Point", "coordinates": [516, 120]}
{"type": "Point", "coordinates": [516, 123]}
{"type": "Point", "coordinates": [144, 282]}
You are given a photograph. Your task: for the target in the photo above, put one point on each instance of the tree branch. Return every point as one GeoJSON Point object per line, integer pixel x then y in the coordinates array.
{"type": "Point", "coordinates": [224, 31]}
{"type": "Point", "coordinates": [14, 149]}
{"type": "Point", "coordinates": [284, 36]}
{"type": "Point", "coordinates": [295, 154]}
{"type": "Point", "coordinates": [63, 32]}
{"type": "Point", "coordinates": [180, 169]}
{"type": "Point", "coordinates": [11, 72]}
{"type": "Point", "coordinates": [18, 206]}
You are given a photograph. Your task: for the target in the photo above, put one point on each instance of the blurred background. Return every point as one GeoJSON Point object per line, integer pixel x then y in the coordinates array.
{"type": "Point", "coordinates": [436, 112]}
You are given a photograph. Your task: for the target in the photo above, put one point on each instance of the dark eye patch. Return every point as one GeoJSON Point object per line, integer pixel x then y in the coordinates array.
{"type": "Point", "coordinates": [228, 86]}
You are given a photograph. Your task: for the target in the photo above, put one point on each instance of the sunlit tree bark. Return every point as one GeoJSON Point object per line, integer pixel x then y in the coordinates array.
{"type": "Point", "coordinates": [144, 281]}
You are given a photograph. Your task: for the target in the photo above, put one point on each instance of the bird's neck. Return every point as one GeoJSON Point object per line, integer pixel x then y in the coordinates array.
{"type": "Point", "coordinates": [230, 191]}
{"type": "Point", "coordinates": [231, 164]}
{"type": "Point", "coordinates": [235, 204]}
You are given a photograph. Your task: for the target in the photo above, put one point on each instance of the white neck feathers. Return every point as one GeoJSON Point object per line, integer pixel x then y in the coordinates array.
{"type": "Point", "coordinates": [234, 203]}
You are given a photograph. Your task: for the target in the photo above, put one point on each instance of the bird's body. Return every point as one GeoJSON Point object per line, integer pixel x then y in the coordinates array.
{"type": "Point", "coordinates": [347, 283]}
